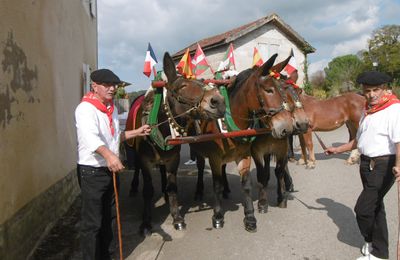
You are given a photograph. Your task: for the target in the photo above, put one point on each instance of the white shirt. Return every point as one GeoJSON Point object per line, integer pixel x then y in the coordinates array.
{"type": "Point", "coordinates": [93, 131]}
{"type": "Point", "coordinates": [379, 132]}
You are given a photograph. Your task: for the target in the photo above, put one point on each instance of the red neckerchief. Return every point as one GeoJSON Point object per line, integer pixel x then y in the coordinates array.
{"type": "Point", "coordinates": [291, 82]}
{"type": "Point", "coordinates": [384, 102]}
{"type": "Point", "coordinates": [89, 97]}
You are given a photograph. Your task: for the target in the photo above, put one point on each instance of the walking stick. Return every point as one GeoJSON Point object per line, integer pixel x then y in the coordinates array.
{"type": "Point", "coordinates": [121, 257]}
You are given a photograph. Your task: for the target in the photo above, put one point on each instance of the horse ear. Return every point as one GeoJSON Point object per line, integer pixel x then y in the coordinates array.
{"type": "Point", "coordinates": [169, 68]}
{"type": "Point", "coordinates": [265, 68]}
{"type": "Point", "coordinates": [281, 65]}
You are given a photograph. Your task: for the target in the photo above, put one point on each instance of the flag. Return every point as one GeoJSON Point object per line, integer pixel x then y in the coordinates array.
{"type": "Point", "coordinates": [199, 62]}
{"type": "Point", "coordinates": [229, 60]}
{"type": "Point", "coordinates": [185, 65]}
{"type": "Point", "coordinates": [291, 66]}
{"type": "Point", "coordinates": [149, 62]}
{"type": "Point", "coordinates": [257, 61]}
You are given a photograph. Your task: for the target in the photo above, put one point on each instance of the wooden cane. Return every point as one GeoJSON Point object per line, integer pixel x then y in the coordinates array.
{"type": "Point", "coordinates": [121, 257]}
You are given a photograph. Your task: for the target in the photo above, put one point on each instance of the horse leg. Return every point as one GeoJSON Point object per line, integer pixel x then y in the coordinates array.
{"type": "Point", "coordinates": [172, 190]}
{"type": "Point", "coordinates": [148, 192]}
{"type": "Point", "coordinates": [218, 216]}
{"type": "Point", "coordinates": [280, 173]}
{"type": "Point", "coordinates": [227, 190]}
{"type": "Point", "coordinates": [263, 173]}
{"type": "Point", "coordinates": [288, 179]}
{"type": "Point", "coordinates": [133, 163]}
{"type": "Point", "coordinates": [290, 150]}
{"type": "Point", "coordinates": [303, 158]}
{"type": "Point", "coordinates": [163, 173]}
{"type": "Point", "coordinates": [200, 162]}
{"type": "Point", "coordinates": [354, 155]}
{"type": "Point", "coordinates": [310, 164]}
{"type": "Point", "coordinates": [250, 221]}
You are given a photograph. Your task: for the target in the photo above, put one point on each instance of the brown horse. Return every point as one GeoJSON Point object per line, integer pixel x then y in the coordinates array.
{"type": "Point", "coordinates": [266, 145]}
{"type": "Point", "coordinates": [257, 98]}
{"type": "Point", "coordinates": [327, 115]}
{"type": "Point", "coordinates": [183, 101]}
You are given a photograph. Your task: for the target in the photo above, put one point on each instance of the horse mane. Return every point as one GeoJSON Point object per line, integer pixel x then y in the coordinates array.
{"type": "Point", "coordinates": [240, 80]}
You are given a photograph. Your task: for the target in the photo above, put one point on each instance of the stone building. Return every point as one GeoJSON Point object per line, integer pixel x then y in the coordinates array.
{"type": "Point", "coordinates": [46, 51]}
{"type": "Point", "coordinates": [269, 35]}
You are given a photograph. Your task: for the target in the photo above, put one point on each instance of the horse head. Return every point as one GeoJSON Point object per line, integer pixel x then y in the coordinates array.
{"type": "Point", "coordinates": [300, 119]}
{"type": "Point", "coordinates": [191, 96]}
{"type": "Point", "coordinates": [264, 98]}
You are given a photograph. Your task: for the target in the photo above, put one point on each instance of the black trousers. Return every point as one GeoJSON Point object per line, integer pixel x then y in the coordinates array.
{"type": "Point", "coordinates": [98, 212]}
{"type": "Point", "coordinates": [377, 179]}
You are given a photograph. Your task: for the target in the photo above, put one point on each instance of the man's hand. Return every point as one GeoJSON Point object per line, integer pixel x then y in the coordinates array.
{"type": "Point", "coordinates": [114, 164]}
{"type": "Point", "coordinates": [396, 172]}
{"type": "Point", "coordinates": [331, 150]}
{"type": "Point", "coordinates": [143, 130]}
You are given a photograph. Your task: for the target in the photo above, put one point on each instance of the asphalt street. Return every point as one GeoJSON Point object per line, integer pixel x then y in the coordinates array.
{"type": "Point", "coordinates": [319, 222]}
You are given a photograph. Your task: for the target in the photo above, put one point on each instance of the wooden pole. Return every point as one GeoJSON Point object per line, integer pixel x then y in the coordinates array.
{"type": "Point", "coordinates": [121, 257]}
{"type": "Point", "coordinates": [210, 137]}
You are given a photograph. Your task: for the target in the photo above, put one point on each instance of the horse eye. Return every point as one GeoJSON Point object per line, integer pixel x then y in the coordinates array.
{"type": "Point", "coordinates": [269, 91]}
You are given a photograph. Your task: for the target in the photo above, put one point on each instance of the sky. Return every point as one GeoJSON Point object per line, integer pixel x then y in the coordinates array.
{"type": "Point", "coordinates": [333, 27]}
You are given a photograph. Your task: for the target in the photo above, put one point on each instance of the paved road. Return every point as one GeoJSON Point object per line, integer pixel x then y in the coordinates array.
{"type": "Point", "coordinates": [319, 222]}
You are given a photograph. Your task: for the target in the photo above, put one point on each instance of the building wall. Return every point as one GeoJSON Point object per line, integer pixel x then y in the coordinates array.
{"type": "Point", "coordinates": [268, 40]}
{"type": "Point", "coordinates": [44, 45]}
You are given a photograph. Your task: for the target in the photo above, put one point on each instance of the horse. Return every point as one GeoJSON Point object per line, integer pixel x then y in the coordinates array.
{"type": "Point", "coordinates": [256, 97]}
{"type": "Point", "coordinates": [328, 115]}
{"type": "Point", "coordinates": [184, 100]}
{"type": "Point", "coordinates": [265, 145]}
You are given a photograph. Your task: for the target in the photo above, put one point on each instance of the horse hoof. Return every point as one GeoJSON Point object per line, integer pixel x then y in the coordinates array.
{"type": "Point", "coordinates": [218, 222]}
{"type": "Point", "coordinates": [145, 230]}
{"type": "Point", "coordinates": [250, 224]}
{"type": "Point", "coordinates": [282, 204]}
{"type": "Point", "coordinates": [262, 206]}
{"type": "Point", "coordinates": [263, 209]}
{"type": "Point", "coordinates": [180, 226]}
{"type": "Point", "coordinates": [290, 188]}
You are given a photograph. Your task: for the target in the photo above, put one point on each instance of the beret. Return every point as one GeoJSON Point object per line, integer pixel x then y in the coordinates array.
{"type": "Point", "coordinates": [104, 76]}
{"type": "Point", "coordinates": [373, 78]}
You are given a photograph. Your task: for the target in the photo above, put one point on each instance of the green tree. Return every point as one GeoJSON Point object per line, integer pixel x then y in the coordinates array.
{"type": "Point", "coordinates": [341, 74]}
{"type": "Point", "coordinates": [384, 51]}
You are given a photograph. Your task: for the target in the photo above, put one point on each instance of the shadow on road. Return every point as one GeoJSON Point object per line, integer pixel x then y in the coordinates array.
{"type": "Point", "coordinates": [343, 217]}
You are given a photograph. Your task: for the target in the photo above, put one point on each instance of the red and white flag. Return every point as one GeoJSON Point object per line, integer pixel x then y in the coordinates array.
{"type": "Point", "coordinates": [199, 62]}
{"type": "Point", "coordinates": [228, 61]}
{"type": "Point", "coordinates": [149, 62]}
{"type": "Point", "coordinates": [292, 65]}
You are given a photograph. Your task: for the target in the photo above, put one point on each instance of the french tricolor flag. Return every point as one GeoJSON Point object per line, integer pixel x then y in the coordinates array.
{"type": "Point", "coordinates": [149, 62]}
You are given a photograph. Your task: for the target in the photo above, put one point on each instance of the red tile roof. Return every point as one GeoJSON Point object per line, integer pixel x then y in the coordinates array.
{"type": "Point", "coordinates": [229, 36]}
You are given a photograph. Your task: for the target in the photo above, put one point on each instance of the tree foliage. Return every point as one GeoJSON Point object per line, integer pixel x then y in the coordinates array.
{"type": "Point", "coordinates": [384, 49]}
{"type": "Point", "coordinates": [341, 74]}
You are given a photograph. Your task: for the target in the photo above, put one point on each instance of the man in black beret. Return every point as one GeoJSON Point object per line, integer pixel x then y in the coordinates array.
{"type": "Point", "coordinates": [378, 141]}
{"type": "Point", "coordinates": [99, 137]}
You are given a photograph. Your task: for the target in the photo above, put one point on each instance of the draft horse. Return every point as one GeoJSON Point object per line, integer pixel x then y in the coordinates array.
{"type": "Point", "coordinates": [256, 97]}
{"type": "Point", "coordinates": [266, 145]}
{"type": "Point", "coordinates": [183, 100]}
{"type": "Point", "coordinates": [328, 115]}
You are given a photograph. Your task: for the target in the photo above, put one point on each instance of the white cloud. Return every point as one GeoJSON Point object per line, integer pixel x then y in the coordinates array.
{"type": "Point", "coordinates": [334, 27]}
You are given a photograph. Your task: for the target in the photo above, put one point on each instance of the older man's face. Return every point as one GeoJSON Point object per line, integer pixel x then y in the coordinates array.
{"type": "Point", "coordinates": [373, 94]}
